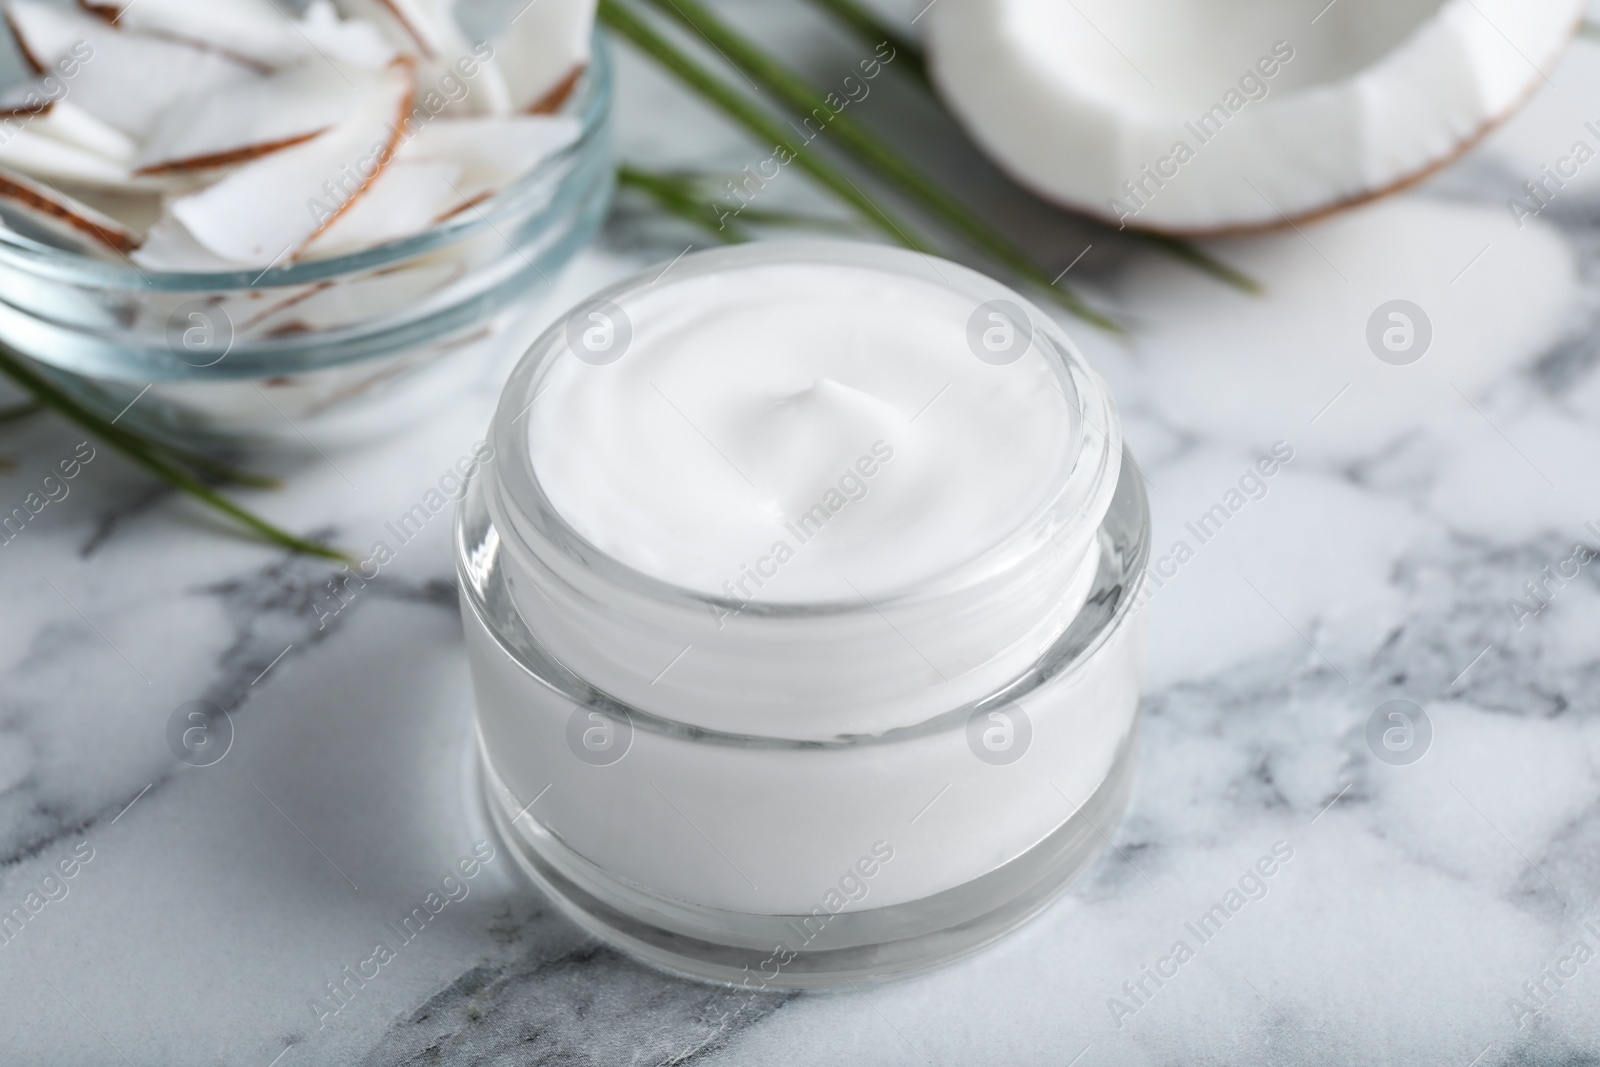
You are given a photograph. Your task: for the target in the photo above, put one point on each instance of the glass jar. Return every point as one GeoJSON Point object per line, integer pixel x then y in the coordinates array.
{"type": "Point", "coordinates": [695, 819]}
{"type": "Point", "coordinates": [335, 350]}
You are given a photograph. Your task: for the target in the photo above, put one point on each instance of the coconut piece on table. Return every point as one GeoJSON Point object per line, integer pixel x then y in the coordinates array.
{"type": "Point", "coordinates": [268, 210]}
{"type": "Point", "coordinates": [63, 216]}
{"type": "Point", "coordinates": [247, 119]}
{"type": "Point", "coordinates": [543, 52]}
{"type": "Point", "coordinates": [493, 151]}
{"type": "Point", "coordinates": [1206, 118]}
{"type": "Point", "coordinates": [132, 78]}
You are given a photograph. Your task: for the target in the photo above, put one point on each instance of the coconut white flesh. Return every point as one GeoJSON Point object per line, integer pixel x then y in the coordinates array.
{"type": "Point", "coordinates": [490, 93]}
{"type": "Point", "coordinates": [169, 247]}
{"type": "Point", "coordinates": [131, 78]}
{"type": "Point", "coordinates": [446, 168]}
{"type": "Point", "coordinates": [246, 119]}
{"type": "Point", "coordinates": [463, 87]}
{"type": "Point", "coordinates": [70, 124]}
{"type": "Point", "coordinates": [253, 30]}
{"type": "Point", "coordinates": [492, 151]}
{"type": "Point", "coordinates": [28, 98]}
{"type": "Point", "coordinates": [268, 210]}
{"type": "Point", "coordinates": [349, 41]}
{"type": "Point", "coordinates": [46, 158]}
{"type": "Point", "coordinates": [79, 225]}
{"type": "Point", "coordinates": [420, 27]}
{"type": "Point", "coordinates": [449, 68]}
{"type": "Point", "coordinates": [406, 199]}
{"type": "Point", "coordinates": [137, 209]}
{"type": "Point", "coordinates": [543, 47]}
{"type": "Point", "coordinates": [1076, 99]}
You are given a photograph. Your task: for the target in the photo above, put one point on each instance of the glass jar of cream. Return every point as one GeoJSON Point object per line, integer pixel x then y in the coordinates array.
{"type": "Point", "coordinates": [799, 605]}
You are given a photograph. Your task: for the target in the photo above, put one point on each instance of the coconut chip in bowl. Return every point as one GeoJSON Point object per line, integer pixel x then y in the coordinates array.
{"type": "Point", "coordinates": [249, 218]}
{"type": "Point", "coordinates": [227, 135]}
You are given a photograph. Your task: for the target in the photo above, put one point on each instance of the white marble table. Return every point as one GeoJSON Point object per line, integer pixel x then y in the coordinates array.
{"type": "Point", "coordinates": [1380, 565]}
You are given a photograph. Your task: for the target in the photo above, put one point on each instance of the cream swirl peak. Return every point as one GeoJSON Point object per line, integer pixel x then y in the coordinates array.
{"type": "Point", "coordinates": [742, 445]}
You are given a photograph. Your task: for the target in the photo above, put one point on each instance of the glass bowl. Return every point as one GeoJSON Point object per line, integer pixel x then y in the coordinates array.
{"type": "Point", "coordinates": [340, 349]}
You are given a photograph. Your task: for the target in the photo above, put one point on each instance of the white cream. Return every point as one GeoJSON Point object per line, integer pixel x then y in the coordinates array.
{"type": "Point", "coordinates": [944, 515]}
{"type": "Point", "coordinates": [746, 401]}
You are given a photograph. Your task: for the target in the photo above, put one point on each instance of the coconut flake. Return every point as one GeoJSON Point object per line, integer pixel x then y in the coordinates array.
{"type": "Point", "coordinates": [270, 209]}
{"type": "Point", "coordinates": [419, 27]}
{"type": "Point", "coordinates": [169, 247]}
{"type": "Point", "coordinates": [27, 98]}
{"type": "Point", "coordinates": [450, 72]}
{"type": "Point", "coordinates": [63, 216]}
{"type": "Point", "coordinates": [54, 160]}
{"type": "Point", "coordinates": [405, 200]}
{"type": "Point", "coordinates": [252, 30]}
{"type": "Point", "coordinates": [446, 168]}
{"type": "Point", "coordinates": [352, 41]}
{"type": "Point", "coordinates": [70, 124]}
{"type": "Point", "coordinates": [247, 119]}
{"type": "Point", "coordinates": [164, 110]}
{"type": "Point", "coordinates": [131, 78]}
{"type": "Point", "coordinates": [543, 52]}
{"type": "Point", "coordinates": [493, 151]}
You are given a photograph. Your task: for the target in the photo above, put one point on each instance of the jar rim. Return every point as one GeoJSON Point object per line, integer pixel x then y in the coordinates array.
{"type": "Point", "coordinates": [531, 524]}
{"type": "Point", "coordinates": [1118, 595]}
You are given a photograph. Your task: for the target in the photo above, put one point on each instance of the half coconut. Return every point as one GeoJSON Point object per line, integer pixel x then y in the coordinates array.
{"type": "Point", "coordinates": [1192, 117]}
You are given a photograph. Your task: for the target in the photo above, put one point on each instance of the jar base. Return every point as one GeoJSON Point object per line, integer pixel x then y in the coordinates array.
{"type": "Point", "coordinates": [776, 953]}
